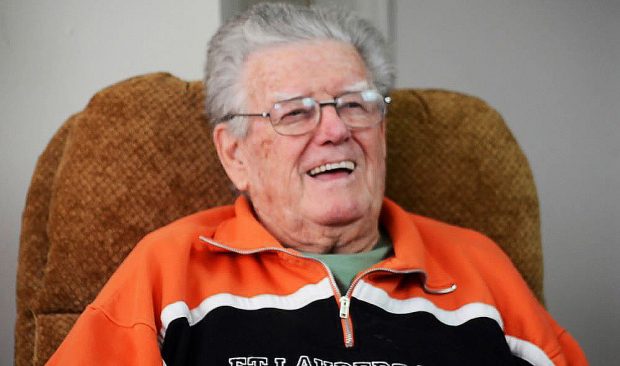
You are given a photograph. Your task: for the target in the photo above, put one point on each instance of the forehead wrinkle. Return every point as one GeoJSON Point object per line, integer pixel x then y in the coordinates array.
{"type": "Point", "coordinates": [278, 96]}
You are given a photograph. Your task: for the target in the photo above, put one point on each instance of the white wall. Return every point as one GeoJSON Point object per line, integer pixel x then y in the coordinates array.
{"type": "Point", "coordinates": [54, 55]}
{"type": "Point", "coordinates": [552, 68]}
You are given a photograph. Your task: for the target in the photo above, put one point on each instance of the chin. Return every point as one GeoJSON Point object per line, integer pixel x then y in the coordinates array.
{"type": "Point", "coordinates": [338, 213]}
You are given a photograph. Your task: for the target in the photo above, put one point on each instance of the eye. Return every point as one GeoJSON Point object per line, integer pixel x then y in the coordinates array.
{"type": "Point", "coordinates": [351, 104]}
{"type": "Point", "coordinates": [354, 108]}
{"type": "Point", "coordinates": [294, 111]}
{"type": "Point", "coordinates": [296, 115]}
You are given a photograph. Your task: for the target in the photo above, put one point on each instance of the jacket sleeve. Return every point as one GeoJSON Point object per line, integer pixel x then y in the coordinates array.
{"type": "Point", "coordinates": [120, 326]}
{"type": "Point", "coordinates": [97, 340]}
{"type": "Point", "coordinates": [570, 349]}
{"type": "Point", "coordinates": [533, 333]}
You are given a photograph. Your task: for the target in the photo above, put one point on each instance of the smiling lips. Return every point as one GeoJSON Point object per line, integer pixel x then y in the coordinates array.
{"type": "Point", "coordinates": [346, 165]}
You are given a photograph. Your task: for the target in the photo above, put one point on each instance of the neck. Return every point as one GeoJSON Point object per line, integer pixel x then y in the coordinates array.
{"type": "Point", "coordinates": [355, 237]}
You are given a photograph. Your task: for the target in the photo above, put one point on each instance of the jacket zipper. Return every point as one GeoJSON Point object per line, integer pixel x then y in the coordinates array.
{"type": "Point", "coordinates": [346, 322]}
{"type": "Point", "coordinates": [344, 301]}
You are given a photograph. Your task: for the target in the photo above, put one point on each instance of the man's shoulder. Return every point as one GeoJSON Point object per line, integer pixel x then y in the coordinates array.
{"type": "Point", "coordinates": [442, 239]}
{"type": "Point", "coordinates": [185, 230]}
{"type": "Point", "coordinates": [431, 226]}
{"type": "Point", "coordinates": [435, 231]}
{"type": "Point", "coordinates": [165, 252]}
{"type": "Point", "coordinates": [454, 247]}
{"type": "Point", "coordinates": [457, 238]}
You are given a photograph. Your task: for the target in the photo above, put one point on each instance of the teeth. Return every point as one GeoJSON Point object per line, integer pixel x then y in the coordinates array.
{"type": "Point", "coordinates": [345, 164]}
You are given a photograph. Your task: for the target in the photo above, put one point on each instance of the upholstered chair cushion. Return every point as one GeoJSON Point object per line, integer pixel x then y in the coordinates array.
{"type": "Point", "coordinates": [140, 155]}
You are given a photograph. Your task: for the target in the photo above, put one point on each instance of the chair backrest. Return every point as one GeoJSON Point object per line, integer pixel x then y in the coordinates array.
{"type": "Point", "coordinates": [140, 155]}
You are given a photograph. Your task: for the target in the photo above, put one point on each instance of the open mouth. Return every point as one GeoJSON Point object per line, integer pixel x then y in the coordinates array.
{"type": "Point", "coordinates": [345, 166]}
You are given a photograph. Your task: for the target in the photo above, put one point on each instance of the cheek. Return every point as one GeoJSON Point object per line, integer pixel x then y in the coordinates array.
{"type": "Point", "coordinates": [374, 148]}
{"type": "Point", "coordinates": [383, 147]}
{"type": "Point", "coordinates": [381, 144]}
{"type": "Point", "coordinates": [375, 151]}
{"type": "Point", "coordinates": [259, 158]}
{"type": "Point", "coordinates": [382, 140]}
{"type": "Point", "coordinates": [273, 162]}
{"type": "Point", "coordinates": [264, 150]}
{"type": "Point", "coordinates": [262, 165]}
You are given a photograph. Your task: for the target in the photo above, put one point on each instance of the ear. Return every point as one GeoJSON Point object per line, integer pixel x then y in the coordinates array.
{"type": "Point", "coordinates": [229, 151]}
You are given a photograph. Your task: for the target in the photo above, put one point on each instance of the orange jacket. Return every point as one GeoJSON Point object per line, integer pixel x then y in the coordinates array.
{"type": "Point", "coordinates": [216, 288]}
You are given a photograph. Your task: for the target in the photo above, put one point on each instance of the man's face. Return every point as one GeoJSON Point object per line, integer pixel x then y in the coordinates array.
{"type": "Point", "coordinates": [310, 212]}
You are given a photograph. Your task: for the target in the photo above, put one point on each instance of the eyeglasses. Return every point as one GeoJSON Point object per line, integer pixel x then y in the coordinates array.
{"type": "Point", "coordinates": [299, 116]}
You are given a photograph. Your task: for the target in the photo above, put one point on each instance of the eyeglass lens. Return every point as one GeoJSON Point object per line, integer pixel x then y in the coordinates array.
{"type": "Point", "coordinates": [299, 116]}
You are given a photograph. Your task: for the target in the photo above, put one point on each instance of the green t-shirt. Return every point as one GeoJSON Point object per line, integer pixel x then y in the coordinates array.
{"type": "Point", "coordinates": [345, 266]}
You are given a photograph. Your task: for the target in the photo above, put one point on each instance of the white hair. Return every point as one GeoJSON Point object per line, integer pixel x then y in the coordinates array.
{"type": "Point", "coordinates": [269, 24]}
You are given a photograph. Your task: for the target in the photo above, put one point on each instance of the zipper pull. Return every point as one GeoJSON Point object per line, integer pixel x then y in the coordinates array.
{"type": "Point", "coordinates": [344, 307]}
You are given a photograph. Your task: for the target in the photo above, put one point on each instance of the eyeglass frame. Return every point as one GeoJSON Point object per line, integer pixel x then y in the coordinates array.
{"type": "Point", "coordinates": [333, 102]}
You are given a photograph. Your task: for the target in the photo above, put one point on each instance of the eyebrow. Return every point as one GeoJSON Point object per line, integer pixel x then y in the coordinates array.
{"type": "Point", "coordinates": [355, 87]}
{"type": "Point", "coordinates": [358, 86]}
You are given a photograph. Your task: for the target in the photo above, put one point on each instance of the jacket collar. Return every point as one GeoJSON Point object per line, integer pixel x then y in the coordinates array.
{"type": "Point", "coordinates": [244, 232]}
{"type": "Point", "coordinates": [411, 251]}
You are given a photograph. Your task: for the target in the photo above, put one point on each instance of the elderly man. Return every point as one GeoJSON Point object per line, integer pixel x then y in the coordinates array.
{"type": "Point", "coordinates": [312, 265]}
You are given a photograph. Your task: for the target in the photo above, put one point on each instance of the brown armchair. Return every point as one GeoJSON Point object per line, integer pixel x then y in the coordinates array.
{"type": "Point", "coordinates": [140, 155]}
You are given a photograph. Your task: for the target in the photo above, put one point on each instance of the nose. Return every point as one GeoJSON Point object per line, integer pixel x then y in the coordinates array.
{"type": "Point", "coordinates": [331, 128]}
